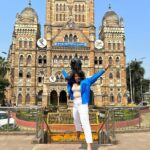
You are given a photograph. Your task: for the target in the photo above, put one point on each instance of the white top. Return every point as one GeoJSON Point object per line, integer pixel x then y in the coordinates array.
{"type": "Point", "coordinates": [76, 92]}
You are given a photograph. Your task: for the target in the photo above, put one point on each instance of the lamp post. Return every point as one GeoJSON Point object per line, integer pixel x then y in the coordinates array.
{"type": "Point", "coordinates": [130, 84]}
{"type": "Point", "coordinates": [141, 90]}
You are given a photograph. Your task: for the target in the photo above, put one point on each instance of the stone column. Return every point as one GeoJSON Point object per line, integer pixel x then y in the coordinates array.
{"type": "Point", "coordinates": [45, 96]}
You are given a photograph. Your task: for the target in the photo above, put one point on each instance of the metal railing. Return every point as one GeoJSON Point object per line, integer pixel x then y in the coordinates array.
{"type": "Point", "coordinates": [22, 120]}
{"type": "Point", "coordinates": [126, 119]}
{"type": "Point", "coordinates": [108, 120]}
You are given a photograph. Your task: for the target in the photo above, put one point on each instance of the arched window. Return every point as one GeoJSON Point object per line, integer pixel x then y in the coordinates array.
{"type": "Point", "coordinates": [21, 59]}
{"type": "Point", "coordinates": [60, 17]}
{"type": "Point", "coordinates": [117, 60]}
{"type": "Point", "coordinates": [44, 60]}
{"type": "Point", "coordinates": [118, 74]}
{"type": "Point", "coordinates": [66, 38]}
{"type": "Point", "coordinates": [25, 44]}
{"type": "Point", "coordinates": [114, 46]}
{"type": "Point", "coordinates": [119, 98]}
{"type": "Point", "coordinates": [60, 59]}
{"type": "Point", "coordinates": [70, 57]}
{"type": "Point", "coordinates": [55, 60]}
{"type": "Point", "coordinates": [28, 75]}
{"type": "Point", "coordinates": [79, 8]}
{"type": "Point", "coordinates": [28, 99]}
{"type": "Point", "coordinates": [20, 99]}
{"type": "Point", "coordinates": [30, 44]}
{"type": "Point", "coordinates": [83, 19]}
{"type": "Point", "coordinates": [76, 18]}
{"type": "Point", "coordinates": [110, 60]}
{"type": "Point", "coordinates": [70, 38]}
{"type": "Point", "coordinates": [61, 78]}
{"type": "Point", "coordinates": [111, 76]}
{"type": "Point", "coordinates": [65, 59]}
{"type": "Point", "coordinates": [40, 60]}
{"type": "Point", "coordinates": [118, 46]}
{"type": "Point", "coordinates": [60, 7]}
{"type": "Point", "coordinates": [39, 79]}
{"type": "Point", "coordinates": [20, 44]}
{"type": "Point", "coordinates": [75, 7]}
{"type": "Point", "coordinates": [95, 61]}
{"type": "Point", "coordinates": [82, 8]}
{"type": "Point", "coordinates": [111, 98]}
{"type": "Point", "coordinates": [100, 61]}
{"type": "Point", "coordinates": [20, 74]}
{"type": "Point", "coordinates": [81, 58]}
{"type": "Point", "coordinates": [64, 7]}
{"type": "Point", "coordinates": [29, 60]}
{"type": "Point", "coordinates": [56, 7]}
{"type": "Point", "coordinates": [75, 38]}
{"type": "Point", "coordinates": [56, 17]}
{"type": "Point", "coordinates": [86, 60]}
{"type": "Point", "coordinates": [109, 46]}
{"type": "Point", "coordinates": [64, 18]}
{"type": "Point", "coordinates": [79, 18]}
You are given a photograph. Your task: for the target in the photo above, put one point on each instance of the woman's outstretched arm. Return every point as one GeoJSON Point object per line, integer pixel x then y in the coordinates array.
{"type": "Point", "coordinates": [65, 74]}
{"type": "Point", "coordinates": [94, 78]}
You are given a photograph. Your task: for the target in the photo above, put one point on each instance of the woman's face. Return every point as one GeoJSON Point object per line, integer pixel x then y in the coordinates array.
{"type": "Point", "coordinates": [77, 78]}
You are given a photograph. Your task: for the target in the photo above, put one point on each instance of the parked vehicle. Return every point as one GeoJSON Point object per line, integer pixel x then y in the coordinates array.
{"type": "Point", "coordinates": [6, 120]}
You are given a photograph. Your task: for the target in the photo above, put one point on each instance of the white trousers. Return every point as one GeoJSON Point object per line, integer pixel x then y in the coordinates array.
{"type": "Point", "coordinates": [81, 119]}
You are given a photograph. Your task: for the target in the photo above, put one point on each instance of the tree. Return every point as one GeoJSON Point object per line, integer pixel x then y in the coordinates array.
{"type": "Point", "coordinates": [4, 67]}
{"type": "Point", "coordinates": [137, 77]}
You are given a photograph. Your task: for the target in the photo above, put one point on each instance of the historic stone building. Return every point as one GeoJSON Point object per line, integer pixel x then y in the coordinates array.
{"type": "Point", "coordinates": [69, 29]}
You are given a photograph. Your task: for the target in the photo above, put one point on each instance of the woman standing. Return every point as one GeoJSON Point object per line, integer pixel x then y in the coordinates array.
{"type": "Point", "coordinates": [79, 92]}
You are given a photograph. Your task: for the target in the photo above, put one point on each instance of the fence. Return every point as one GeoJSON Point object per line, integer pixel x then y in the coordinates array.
{"type": "Point", "coordinates": [126, 119]}
{"type": "Point", "coordinates": [108, 120]}
{"type": "Point", "coordinates": [27, 120]}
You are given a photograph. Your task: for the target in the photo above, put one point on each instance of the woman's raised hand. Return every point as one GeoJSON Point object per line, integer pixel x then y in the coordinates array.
{"type": "Point", "coordinates": [107, 66]}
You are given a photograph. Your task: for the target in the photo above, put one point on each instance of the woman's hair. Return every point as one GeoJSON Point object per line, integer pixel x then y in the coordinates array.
{"type": "Point", "coordinates": [80, 73]}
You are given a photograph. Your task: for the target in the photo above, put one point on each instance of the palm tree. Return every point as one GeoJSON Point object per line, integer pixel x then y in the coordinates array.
{"type": "Point", "coordinates": [4, 67]}
{"type": "Point", "coordinates": [137, 73]}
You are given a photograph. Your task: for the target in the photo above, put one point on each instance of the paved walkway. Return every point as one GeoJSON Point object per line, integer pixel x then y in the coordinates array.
{"type": "Point", "coordinates": [130, 141]}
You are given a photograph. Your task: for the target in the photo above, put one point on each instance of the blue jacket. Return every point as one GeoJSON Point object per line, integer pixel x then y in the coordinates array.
{"type": "Point", "coordinates": [84, 86]}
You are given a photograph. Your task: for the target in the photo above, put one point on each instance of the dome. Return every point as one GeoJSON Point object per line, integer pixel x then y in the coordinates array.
{"type": "Point", "coordinates": [110, 18]}
{"type": "Point", "coordinates": [29, 15]}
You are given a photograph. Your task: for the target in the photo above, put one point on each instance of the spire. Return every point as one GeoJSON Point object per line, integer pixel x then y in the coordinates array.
{"type": "Point", "coordinates": [29, 3]}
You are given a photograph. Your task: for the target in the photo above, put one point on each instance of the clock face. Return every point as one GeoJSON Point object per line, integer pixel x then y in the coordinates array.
{"type": "Point", "coordinates": [41, 43]}
{"type": "Point", "coordinates": [99, 44]}
{"type": "Point", "coordinates": [52, 78]}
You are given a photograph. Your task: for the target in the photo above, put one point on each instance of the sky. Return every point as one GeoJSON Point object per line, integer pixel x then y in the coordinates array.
{"type": "Point", "coordinates": [136, 14]}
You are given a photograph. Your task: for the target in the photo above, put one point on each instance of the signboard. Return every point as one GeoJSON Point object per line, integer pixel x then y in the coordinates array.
{"type": "Point", "coordinates": [70, 44]}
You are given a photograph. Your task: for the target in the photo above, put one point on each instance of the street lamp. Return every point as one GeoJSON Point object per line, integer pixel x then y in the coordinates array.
{"type": "Point", "coordinates": [141, 90]}
{"type": "Point", "coordinates": [130, 84]}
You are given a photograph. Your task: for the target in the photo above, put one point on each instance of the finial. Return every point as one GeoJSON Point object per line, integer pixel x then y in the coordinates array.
{"type": "Point", "coordinates": [109, 7]}
{"type": "Point", "coordinates": [29, 3]}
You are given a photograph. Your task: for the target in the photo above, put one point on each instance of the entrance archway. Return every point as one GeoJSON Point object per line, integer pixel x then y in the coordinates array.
{"type": "Point", "coordinates": [63, 98]}
{"type": "Point", "coordinates": [53, 98]}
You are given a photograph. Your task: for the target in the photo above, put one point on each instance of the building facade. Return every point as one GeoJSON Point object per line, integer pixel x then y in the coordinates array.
{"type": "Point", "coordinates": [69, 30]}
